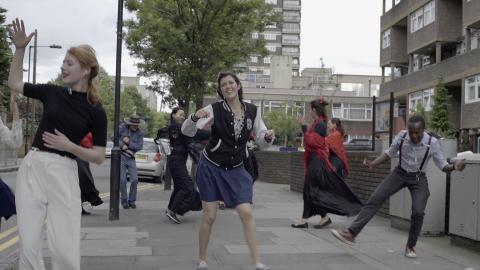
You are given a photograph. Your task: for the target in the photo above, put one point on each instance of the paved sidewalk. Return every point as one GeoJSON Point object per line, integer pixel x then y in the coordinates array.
{"type": "Point", "coordinates": [145, 239]}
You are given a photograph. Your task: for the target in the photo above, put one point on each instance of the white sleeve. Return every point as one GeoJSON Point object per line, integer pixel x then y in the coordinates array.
{"type": "Point", "coordinates": [259, 129]}
{"type": "Point", "coordinates": [190, 127]}
{"type": "Point", "coordinates": [11, 138]}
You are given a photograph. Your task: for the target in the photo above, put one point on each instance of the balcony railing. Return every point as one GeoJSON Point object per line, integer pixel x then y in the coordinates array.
{"type": "Point", "coordinates": [290, 42]}
{"type": "Point", "coordinates": [291, 7]}
{"type": "Point", "coordinates": [291, 19]}
{"type": "Point", "coordinates": [290, 30]}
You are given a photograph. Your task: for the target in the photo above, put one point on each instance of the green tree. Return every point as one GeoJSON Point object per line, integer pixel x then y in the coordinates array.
{"type": "Point", "coordinates": [190, 41]}
{"type": "Point", "coordinates": [440, 122]}
{"type": "Point", "coordinates": [5, 58]}
{"type": "Point", "coordinates": [285, 124]}
{"type": "Point", "coordinates": [420, 110]}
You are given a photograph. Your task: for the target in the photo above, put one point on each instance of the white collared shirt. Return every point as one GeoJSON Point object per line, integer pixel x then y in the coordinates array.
{"type": "Point", "coordinates": [412, 154]}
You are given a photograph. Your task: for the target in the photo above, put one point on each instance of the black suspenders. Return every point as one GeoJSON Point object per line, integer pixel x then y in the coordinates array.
{"type": "Point", "coordinates": [424, 157]}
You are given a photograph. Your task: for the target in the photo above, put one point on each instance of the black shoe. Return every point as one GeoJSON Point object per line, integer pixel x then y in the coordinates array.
{"type": "Point", "coordinates": [85, 213]}
{"type": "Point", "coordinates": [173, 217]}
{"type": "Point", "coordinates": [125, 205]}
{"type": "Point", "coordinates": [324, 224]}
{"type": "Point", "coordinates": [300, 226]}
{"type": "Point", "coordinates": [132, 205]}
{"type": "Point", "coordinates": [96, 202]}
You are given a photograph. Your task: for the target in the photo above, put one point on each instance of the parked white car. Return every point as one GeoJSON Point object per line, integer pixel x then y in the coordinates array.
{"type": "Point", "coordinates": [108, 149]}
{"type": "Point", "coordinates": [151, 161]}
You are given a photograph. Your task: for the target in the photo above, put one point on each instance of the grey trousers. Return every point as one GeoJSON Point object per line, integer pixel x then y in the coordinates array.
{"type": "Point", "coordinates": [395, 181]}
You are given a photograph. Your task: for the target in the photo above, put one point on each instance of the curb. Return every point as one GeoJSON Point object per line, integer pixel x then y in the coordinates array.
{"type": "Point", "coordinates": [8, 169]}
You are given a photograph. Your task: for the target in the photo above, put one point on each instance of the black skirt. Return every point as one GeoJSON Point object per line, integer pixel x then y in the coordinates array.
{"type": "Point", "coordinates": [89, 192]}
{"type": "Point", "coordinates": [326, 192]}
{"type": "Point", "coordinates": [7, 201]}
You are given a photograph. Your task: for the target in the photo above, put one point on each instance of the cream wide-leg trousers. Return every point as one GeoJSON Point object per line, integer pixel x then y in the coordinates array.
{"type": "Point", "coordinates": [47, 187]}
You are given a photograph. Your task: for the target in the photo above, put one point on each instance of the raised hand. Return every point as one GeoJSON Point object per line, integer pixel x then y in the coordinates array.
{"type": "Point", "coordinates": [14, 107]}
{"type": "Point", "coordinates": [201, 114]}
{"type": "Point", "coordinates": [18, 35]}
{"type": "Point", "coordinates": [270, 135]}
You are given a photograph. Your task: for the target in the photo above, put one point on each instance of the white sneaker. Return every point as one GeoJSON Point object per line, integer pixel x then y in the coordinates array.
{"type": "Point", "coordinates": [410, 253]}
{"type": "Point", "coordinates": [202, 265]}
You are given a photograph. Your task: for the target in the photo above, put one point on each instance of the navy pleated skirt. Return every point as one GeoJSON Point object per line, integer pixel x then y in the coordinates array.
{"type": "Point", "coordinates": [232, 186]}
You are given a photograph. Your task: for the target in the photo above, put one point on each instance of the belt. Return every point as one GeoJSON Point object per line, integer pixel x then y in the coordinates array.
{"type": "Point", "coordinates": [410, 173]}
{"type": "Point", "coordinates": [36, 149]}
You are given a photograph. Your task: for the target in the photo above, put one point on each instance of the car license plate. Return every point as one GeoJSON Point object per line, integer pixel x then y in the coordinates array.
{"type": "Point", "coordinates": [142, 157]}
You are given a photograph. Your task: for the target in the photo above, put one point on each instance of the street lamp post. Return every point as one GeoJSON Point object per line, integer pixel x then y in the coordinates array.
{"type": "Point", "coordinates": [28, 123]}
{"type": "Point", "coordinates": [115, 158]}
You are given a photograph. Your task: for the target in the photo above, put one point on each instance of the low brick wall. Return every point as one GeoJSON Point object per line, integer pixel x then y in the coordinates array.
{"type": "Point", "coordinates": [287, 168]}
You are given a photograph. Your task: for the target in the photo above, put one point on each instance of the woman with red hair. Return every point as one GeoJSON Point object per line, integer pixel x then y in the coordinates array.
{"type": "Point", "coordinates": [324, 190]}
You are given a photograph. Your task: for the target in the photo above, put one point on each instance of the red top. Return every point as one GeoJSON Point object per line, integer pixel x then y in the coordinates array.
{"type": "Point", "coordinates": [335, 144]}
{"type": "Point", "coordinates": [316, 144]}
{"type": "Point", "coordinates": [87, 141]}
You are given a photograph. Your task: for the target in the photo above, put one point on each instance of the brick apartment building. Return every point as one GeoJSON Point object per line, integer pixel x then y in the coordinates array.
{"type": "Point", "coordinates": [422, 40]}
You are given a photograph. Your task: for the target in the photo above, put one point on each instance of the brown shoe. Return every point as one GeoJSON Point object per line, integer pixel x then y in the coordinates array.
{"type": "Point", "coordinates": [344, 235]}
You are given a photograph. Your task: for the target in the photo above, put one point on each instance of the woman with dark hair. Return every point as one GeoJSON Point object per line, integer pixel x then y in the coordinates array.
{"type": "Point", "coordinates": [184, 196]}
{"type": "Point", "coordinates": [221, 175]}
{"type": "Point", "coordinates": [324, 190]}
{"type": "Point", "coordinates": [338, 156]}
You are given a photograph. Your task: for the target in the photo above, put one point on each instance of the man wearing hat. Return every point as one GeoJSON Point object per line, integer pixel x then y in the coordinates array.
{"type": "Point", "coordinates": [131, 141]}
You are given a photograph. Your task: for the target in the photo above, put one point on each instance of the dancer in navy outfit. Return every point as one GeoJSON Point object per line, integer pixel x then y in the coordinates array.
{"type": "Point", "coordinates": [221, 175]}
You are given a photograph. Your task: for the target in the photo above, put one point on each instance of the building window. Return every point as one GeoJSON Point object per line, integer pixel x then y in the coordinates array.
{"type": "Point", "coordinates": [267, 60]}
{"type": "Point", "coordinates": [416, 20]}
{"type": "Point", "coordinates": [352, 111]}
{"type": "Point", "coordinates": [271, 48]}
{"type": "Point", "coordinates": [290, 3]}
{"type": "Point", "coordinates": [291, 15]}
{"type": "Point", "coordinates": [253, 59]}
{"type": "Point", "coordinates": [386, 38]}
{"type": "Point", "coordinates": [472, 92]}
{"type": "Point", "coordinates": [295, 61]}
{"type": "Point", "coordinates": [272, 2]}
{"type": "Point", "coordinates": [291, 27]}
{"type": "Point", "coordinates": [269, 36]}
{"type": "Point", "coordinates": [294, 73]}
{"type": "Point", "coordinates": [290, 49]}
{"type": "Point", "coordinates": [429, 13]}
{"type": "Point", "coordinates": [358, 88]}
{"type": "Point", "coordinates": [272, 25]}
{"type": "Point", "coordinates": [290, 39]}
{"type": "Point", "coordinates": [266, 72]}
{"type": "Point", "coordinates": [254, 35]}
{"type": "Point", "coordinates": [424, 97]}
{"type": "Point", "coordinates": [422, 17]}
{"type": "Point", "coordinates": [374, 90]}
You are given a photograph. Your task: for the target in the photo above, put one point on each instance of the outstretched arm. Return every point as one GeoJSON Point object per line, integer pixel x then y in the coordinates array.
{"type": "Point", "coordinates": [379, 160]}
{"type": "Point", "coordinates": [20, 39]}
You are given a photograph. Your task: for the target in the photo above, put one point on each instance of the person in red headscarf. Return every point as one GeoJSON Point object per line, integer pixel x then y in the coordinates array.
{"type": "Point", "coordinates": [324, 190]}
{"type": "Point", "coordinates": [338, 156]}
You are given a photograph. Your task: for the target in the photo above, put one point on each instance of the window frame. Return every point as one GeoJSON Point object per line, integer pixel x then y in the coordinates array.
{"type": "Point", "coordinates": [476, 90]}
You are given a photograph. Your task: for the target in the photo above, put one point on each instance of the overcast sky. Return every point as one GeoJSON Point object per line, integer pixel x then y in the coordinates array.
{"type": "Point", "coordinates": [345, 33]}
